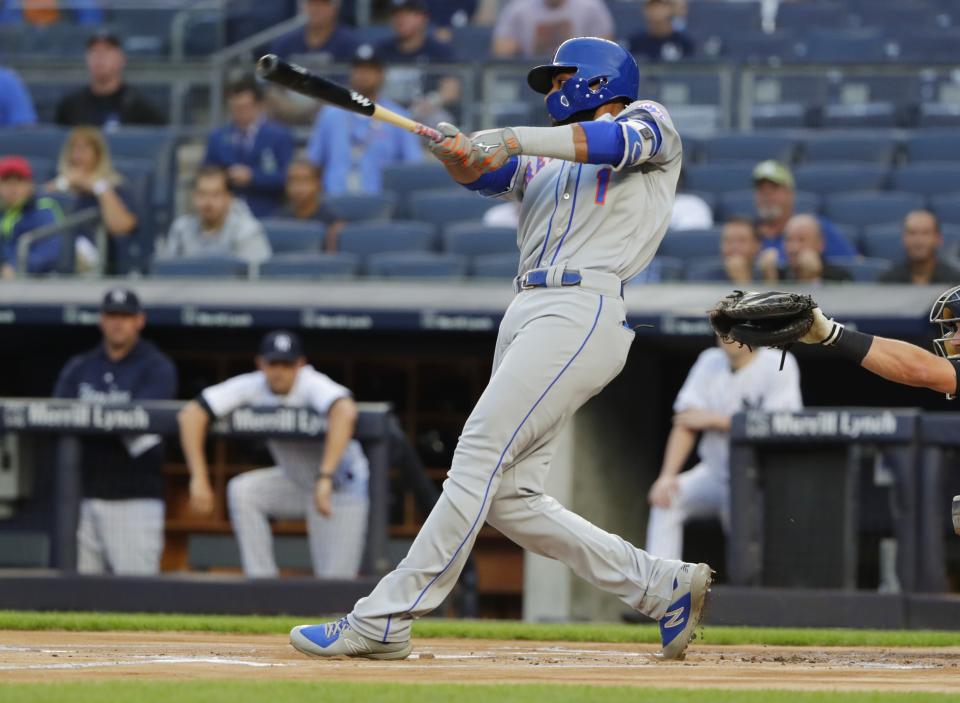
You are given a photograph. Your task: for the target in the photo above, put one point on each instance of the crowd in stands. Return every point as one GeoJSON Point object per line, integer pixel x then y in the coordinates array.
{"type": "Point", "coordinates": [770, 216]}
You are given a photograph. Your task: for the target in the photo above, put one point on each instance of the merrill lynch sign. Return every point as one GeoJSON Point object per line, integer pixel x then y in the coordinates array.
{"type": "Point", "coordinates": [824, 423]}
{"type": "Point", "coordinates": [75, 416]}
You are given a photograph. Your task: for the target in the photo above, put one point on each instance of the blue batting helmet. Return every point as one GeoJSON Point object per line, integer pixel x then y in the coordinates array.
{"type": "Point", "coordinates": [605, 65]}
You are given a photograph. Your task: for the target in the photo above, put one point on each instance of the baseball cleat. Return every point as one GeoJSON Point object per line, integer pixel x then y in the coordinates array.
{"type": "Point", "coordinates": [678, 626]}
{"type": "Point", "coordinates": [956, 514]}
{"type": "Point", "coordinates": [338, 639]}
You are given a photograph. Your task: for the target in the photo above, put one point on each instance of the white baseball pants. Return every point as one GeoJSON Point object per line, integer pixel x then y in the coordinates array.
{"type": "Point", "coordinates": [121, 537]}
{"type": "Point", "coordinates": [702, 492]}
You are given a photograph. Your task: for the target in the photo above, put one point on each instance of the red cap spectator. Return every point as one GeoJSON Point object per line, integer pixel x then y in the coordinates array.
{"type": "Point", "coordinates": [15, 167]}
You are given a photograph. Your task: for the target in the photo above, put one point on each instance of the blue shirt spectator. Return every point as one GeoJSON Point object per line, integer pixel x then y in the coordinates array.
{"type": "Point", "coordinates": [16, 106]}
{"type": "Point", "coordinates": [254, 151]}
{"type": "Point", "coordinates": [834, 243]}
{"type": "Point", "coordinates": [353, 150]}
{"type": "Point", "coordinates": [322, 36]}
{"type": "Point", "coordinates": [81, 12]}
{"type": "Point", "coordinates": [24, 212]}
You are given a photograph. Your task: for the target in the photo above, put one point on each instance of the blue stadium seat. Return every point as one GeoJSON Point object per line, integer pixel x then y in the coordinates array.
{"type": "Point", "coordinates": [366, 238]}
{"type": "Point", "coordinates": [760, 48]}
{"type": "Point", "coordinates": [503, 266]}
{"type": "Point", "coordinates": [474, 239]}
{"type": "Point", "coordinates": [883, 242]}
{"type": "Point", "coordinates": [140, 142]}
{"type": "Point", "coordinates": [200, 267]}
{"type": "Point", "coordinates": [705, 19]}
{"type": "Point", "coordinates": [360, 207]}
{"type": "Point", "coordinates": [893, 16]}
{"type": "Point", "coordinates": [24, 549]}
{"type": "Point", "coordinates": [417, 265]}
{"type": "Point", "coordinates": [779, 116]}
{"type": "Point", "coordinates": [747, 147]}
{"type": "Point", "coordinates": [839, 177]}
{"type": "Point", "coordinates": [287, 235]}
{"type": "Point", "coordinates": [145, 30]}
{"type": "Point", "coordinates": [706, 270]}
{"type": "Point", "coordinates": [832, 46]}
{"type": "Point", "coordinates": [448, 205]}
{"type": "Point", "coordinates": [335, 265]}
{"type": "Point", "coordinates": [933, 146]}
{"type": "Point", "coordinates": [719, 178]}
{"type": "Point", "coordinates": [875, 148]}
{"type": "Point", "coordinates": [662, 269]}
{"type": "Point", "coordinates": [741, 203]}
{"type": "Point", "coordinates": [860, 116]}
{"type": "Point", "coordinates": [938, 115]}
{"type": "Point", "coordinates": [43, 168]}
{"type": "Point", "coordinates": [863, 270]}
{"type": "Point", "coordinates": [42, 141]}
{"type": "Point", "coordinates": [405, 179]}
{"type": "Point", "coordinates": [929, 46]}
{"type": "Point", "coordinates": [927, 179]}
{"type": "Point", "coordinates": [871, 207]}
{"type": "Point", "coordinates": [471, 43]}
{"type": "Point", "coordinates": [947, 207]}
{"type": "Point", "coordinates": [803, 17]}
{"type": "Point", "coordinates": [690, 244]}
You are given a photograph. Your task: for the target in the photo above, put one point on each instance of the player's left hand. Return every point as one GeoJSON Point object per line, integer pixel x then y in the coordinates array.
{"type": "Point", "coordinates": [321, 497]}
{"type": "Point", "coordinates": [456, 147]}
{"type": "Point", "coordinates": [492, 148]}
{"type": "Point", "coordinates": [698, 420]}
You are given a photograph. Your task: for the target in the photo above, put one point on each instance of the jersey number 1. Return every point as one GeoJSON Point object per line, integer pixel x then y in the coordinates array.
{"type": "Point", "coordinates": [603, 180]}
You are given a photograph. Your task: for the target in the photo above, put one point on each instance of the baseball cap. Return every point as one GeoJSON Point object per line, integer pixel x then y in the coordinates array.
{"type": "Point", "coordinates": [105, 36]}
{"type": "Point", "coordinates": [773, 171]}
{"type": "Point", "coordinates": [366, 54]}
{"type": "Point", "coordinates": [415, 5]}
{"type": "Point", "coordinates": [120, 301]}
{"type": "Point", "coordinates": [281, 345]}
{"type": "Point", "coordinates": [15, 167]}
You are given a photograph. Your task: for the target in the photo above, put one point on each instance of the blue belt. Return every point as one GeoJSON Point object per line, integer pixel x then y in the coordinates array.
{"type": "Point", "coordinates": [537, 278]}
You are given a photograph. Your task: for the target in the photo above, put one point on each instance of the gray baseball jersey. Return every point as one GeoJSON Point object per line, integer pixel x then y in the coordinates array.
{"type": "Point", "coordinates": [595, 216]}
{"type": "Point", "coordinates": [557, 347]}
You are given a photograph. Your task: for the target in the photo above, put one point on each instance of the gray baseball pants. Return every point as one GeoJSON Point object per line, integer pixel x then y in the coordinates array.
{"type": "Point", "coordinates": [557, 347]}
{"type": "Point", "coordinates": [122, 537]}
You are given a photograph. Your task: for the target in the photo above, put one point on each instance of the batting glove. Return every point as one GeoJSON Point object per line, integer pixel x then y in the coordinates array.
{"type": "Point", "coordinates": [455, 149]}
{"type": "Point", "coordinates": [492, 148]}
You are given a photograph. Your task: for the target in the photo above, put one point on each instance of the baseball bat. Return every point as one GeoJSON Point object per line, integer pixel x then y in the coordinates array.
{"type": "Point", "coordinates": [300, 80]}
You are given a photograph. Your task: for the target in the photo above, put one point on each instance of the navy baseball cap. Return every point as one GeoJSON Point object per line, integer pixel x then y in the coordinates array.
{"type": "Point", "coordinates": [120, 301]}
{"type": "Point", "coordinates": [281, 345]}
{"type": "Point", "coordinates": [415, 5]}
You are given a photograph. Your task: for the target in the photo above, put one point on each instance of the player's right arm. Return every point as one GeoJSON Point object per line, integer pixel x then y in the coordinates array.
{"type": "Point", "coordinates": [193, 421]}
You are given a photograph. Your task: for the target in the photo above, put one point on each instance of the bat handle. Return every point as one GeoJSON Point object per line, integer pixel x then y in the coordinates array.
{"type": "Point", "coordinates": [428, 132]}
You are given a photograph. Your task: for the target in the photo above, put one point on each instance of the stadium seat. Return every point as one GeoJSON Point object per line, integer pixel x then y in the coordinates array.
{"type": "Point", "coordinates": [760, 48]}
{"type": "Point", "coordinates": [719, 178]}
{"type": "Point", "coordinates": [938, 115]}
{"type": "Point", "coordinates": [145, 30]}
{"type": "Point", "coordinates": [860, 116]}
{"type": "Point", "coordinates": [404, 179]}
{"type": "Point", "coordinates": [139, 142]}
{"type": "Point", "coordinates": [503, 266]}
{"type": "Point", "coordinates": [445, 206]}
{"type": "Point", "coordinates": [662, 269]}
{"type": "Point", "coordinates": [928, 46]}
{"type": "Point", "coordinates": [705, 19]}
{"type": "Point", "coordinates": [357, 208]}
{"type": "Point", "coordinates": [747, 147]}
{"type": "Point", "coordinates": [741, 203]}
{"type": "Point", "coordinates": [20, 549]}
{"type": "Point", "coordinates": [690, 244]}
{"type": "Point", "coordinates": [871, 207]}
{"type": "Point", "coordinates": [42, 141]}
{"type": "Point", "coordinates": [834, 46]}
{"type": "Point", "coordinates": [935, 146]}
{"type": "Point", "coordinates": [893, 16]}
{"type": "Point", "coordinates": [927, 179]}
{"type": "Point", "coordinates": [334, 265]}
{"type": "Point", "coordinates": [287, 236]}
{"type": "Point", "coordinates": [803, 17]}
{"type": "Point", "coordinates": [366, 238]}
{"type": "Point", "coordinates": [475, 239]}
{"type": "Point", "coordinates": [43, 168]}
{"type": "Point", "coordinates": [200, 267]}
{"type": "Point", "coordinates": [471, 43]}
{"type": "Point", "coordinates": [863, 270]}
{"type": "Point", "coordinates": [417, 265]}
{"type": "Point", "coordinates": [211, 552]}
{"type": "Point", "coordinates": [883, 242]}
{"type": "Point", "coordinates": [706, 270]}
{"type": "Point", "coordinates": [947, 207]}
{"type": "Point", "coordinates": [878, 148]}
{"type": "Point", "coordinates": [838, 177]}
{"type": "Point", "coordinates": [785, 115]}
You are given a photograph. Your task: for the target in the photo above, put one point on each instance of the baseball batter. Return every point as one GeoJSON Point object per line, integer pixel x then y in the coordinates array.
{"type": "Point", "coordinates": [725, 379]}
{"type": "Point", "coordinates": [322, 481]}
{"type": "Point", "coordinates": [596, 194]}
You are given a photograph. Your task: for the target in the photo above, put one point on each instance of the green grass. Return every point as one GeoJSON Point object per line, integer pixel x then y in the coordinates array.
{"type": "Point", "coordinates": [340, 692]}
{"type": "Point", "coordinates": [478, 629]}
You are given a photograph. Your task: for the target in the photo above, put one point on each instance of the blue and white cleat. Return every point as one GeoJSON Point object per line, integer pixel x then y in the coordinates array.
{"type": "Point", "coordinates": [678, 626]}
{"type": "Point", "coordinates": [338, 639]}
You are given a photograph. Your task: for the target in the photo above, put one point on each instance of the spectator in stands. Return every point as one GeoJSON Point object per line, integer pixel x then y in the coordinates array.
{"type": "Point", "coordinates": [660, 40]}
{"type": "Point", "coordinates": [305, 200]}
{"type": "Point", "coordinates": [322, 37]}
{"type": "Point", "coordinates": [85, 170]}
{"type": "Point", "coordinates": [106, 101]}
{"type": "Point", "coordinates": [411, 40]}
{"type": "Point", "coordinates": [324, 481]}
{"type": "Point", "coordinates": [739, 247]}
{"type": "Point", "coordinates": [122, 512]}
{"type": "Point", "coordinates": [774, 195]}
{"type": "Point", "coordinates": [922, 240]}
{"type": "Point", "coordinates": [803, 244]}
{"type": "Point", "coordinates": [722, 382]}
{"type": "Point", "coordinates": [353, 150]}
{"type": "Point", "coordinates": [255, 151]}
{"type": "Point", "coordinates": [447, 15]}
{"type": "Point", "coordinates": [535, 28]}
{"type": "Point", "coordinates": [16, 105]}
{"type": "Point", "coordinates": [21, 211]}
{"type": "Point", "coordinates": [48, 12]}
{"type": "Point", "coordinates": [690, 211]}
{"type": "Point", "coordinates": [223, 225]}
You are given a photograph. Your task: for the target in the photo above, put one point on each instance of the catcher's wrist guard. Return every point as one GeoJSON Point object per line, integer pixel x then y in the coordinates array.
{"type": "Point", "coordinates": [849, 344]}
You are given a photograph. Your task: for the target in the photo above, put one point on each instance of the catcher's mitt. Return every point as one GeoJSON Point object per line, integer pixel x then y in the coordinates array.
{"type": "Point", "coordinates": [763, 319]}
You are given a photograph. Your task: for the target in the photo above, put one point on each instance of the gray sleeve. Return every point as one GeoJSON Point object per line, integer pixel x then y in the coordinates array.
{"type": "Point", "coordinates": [251, 243]}
{"type": "Point", "coordinates": [171, 247]}
{"type": "Point", "coordinates": [655, 115]}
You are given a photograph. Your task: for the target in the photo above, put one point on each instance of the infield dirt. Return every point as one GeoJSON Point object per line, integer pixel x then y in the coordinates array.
{"type": "Point", "coordinates": [72, 656]}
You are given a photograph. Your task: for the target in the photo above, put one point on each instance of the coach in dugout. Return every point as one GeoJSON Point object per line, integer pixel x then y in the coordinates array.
{"type": "Point", "coordinates": [324, 481]}
{"type": "Point", "coordinates": [121, 514]}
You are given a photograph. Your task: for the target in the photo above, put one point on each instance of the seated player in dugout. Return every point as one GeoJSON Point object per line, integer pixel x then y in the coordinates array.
{"type": "Point", "coordinates": [899, 361]}
{"type": "Point", "coordinates": [324, 481]}
{"type": "Point", "coordinates": [724, 380]}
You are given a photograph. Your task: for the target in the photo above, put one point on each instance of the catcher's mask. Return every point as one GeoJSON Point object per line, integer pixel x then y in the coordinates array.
{"type": "Point", "coordinates": [946, 313]}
